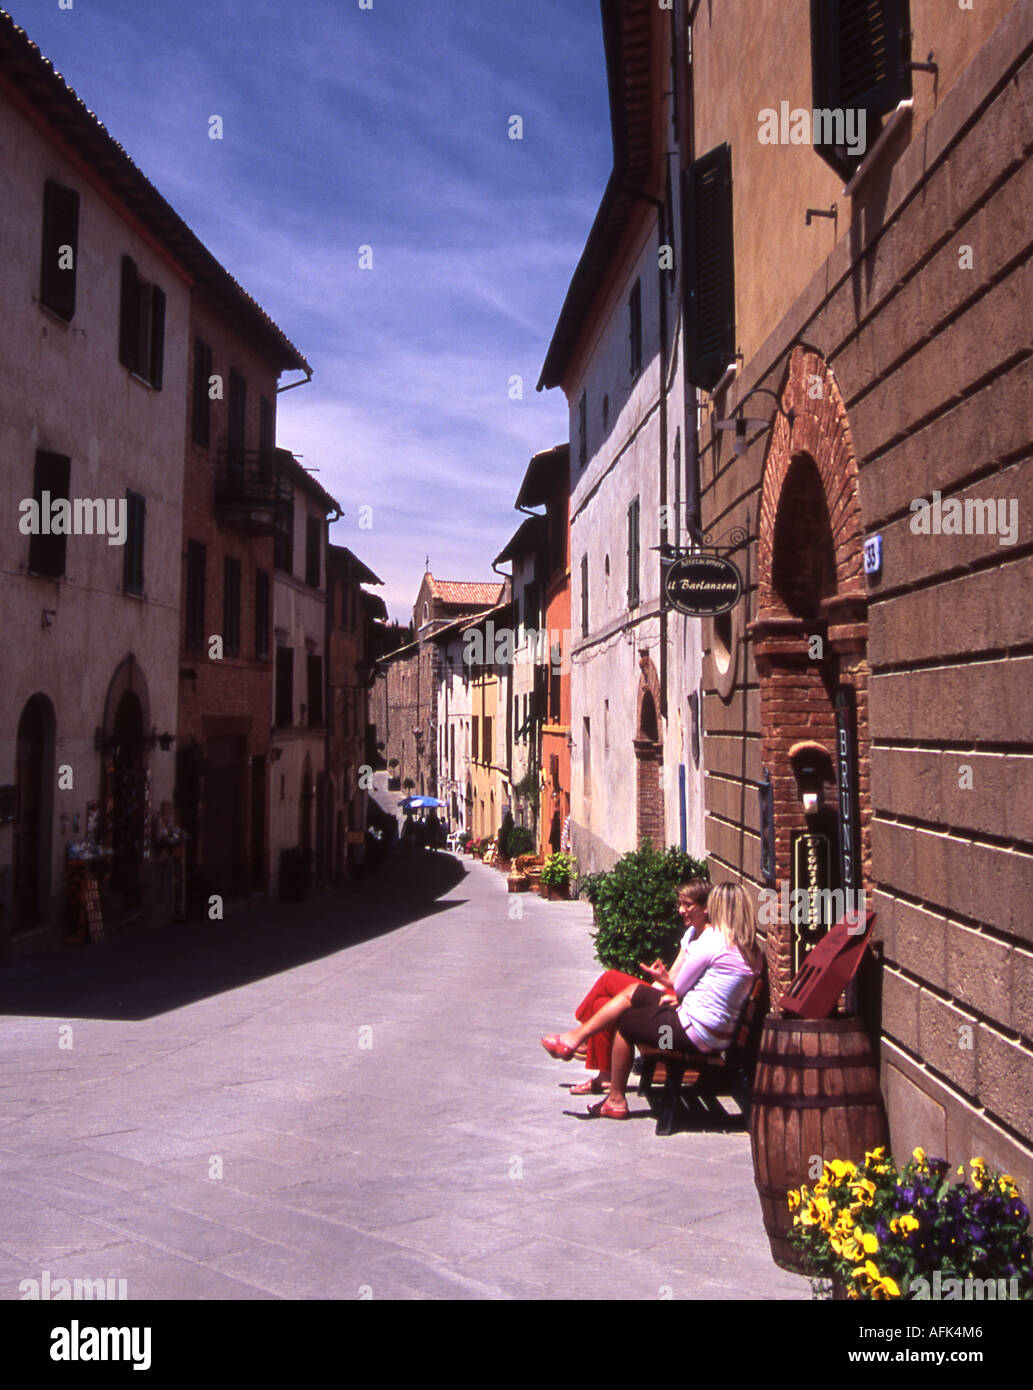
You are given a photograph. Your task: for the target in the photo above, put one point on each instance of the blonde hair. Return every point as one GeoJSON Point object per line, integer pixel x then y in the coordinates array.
{"type": "Point", "coordinates": [731, 912]}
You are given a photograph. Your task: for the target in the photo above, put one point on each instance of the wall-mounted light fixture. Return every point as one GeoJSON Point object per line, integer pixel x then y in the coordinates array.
{"type": "Point", "coordinates": [742, 423]}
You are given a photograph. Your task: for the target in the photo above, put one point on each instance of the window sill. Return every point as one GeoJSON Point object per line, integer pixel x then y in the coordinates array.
{"type": "Point", "coordinates": [866, 165]}
{"type": "Point", "coordinates": [55, 316]}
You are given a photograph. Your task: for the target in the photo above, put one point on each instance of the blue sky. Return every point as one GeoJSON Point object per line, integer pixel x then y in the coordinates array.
{"type": "Point", "coordinates": [389, 128]}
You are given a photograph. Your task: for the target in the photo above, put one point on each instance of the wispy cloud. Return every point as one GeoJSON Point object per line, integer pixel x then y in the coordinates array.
{"type": "Point", "coordinates": [388, 127]}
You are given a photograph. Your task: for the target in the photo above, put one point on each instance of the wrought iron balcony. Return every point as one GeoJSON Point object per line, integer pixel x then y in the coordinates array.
{"type": "Point", "coordinates": [252, 492]}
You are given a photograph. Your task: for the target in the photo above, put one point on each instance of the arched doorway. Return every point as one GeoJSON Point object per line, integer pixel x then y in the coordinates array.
{"type": "Point", "coordinates": [305, 808]}
{"type": "Point", "coordinates": [810, 643]}
{"type": "Point", "coordinates": [33, 813]}
{"type": "Point", "coordinates": [127, 797]}
{"type": "Point", "coordinates": [649, 757]}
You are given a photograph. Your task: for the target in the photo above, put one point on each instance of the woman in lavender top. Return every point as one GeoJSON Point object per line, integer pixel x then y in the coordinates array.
{"type": "Point", "coordinates": [697, 1009]}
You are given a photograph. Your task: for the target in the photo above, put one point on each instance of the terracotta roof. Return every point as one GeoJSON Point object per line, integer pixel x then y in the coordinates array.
{"type": "Point", "coordinates": [466, 592]}
{"type": "Point", "coordinates": [340, 555]}
{"type": "Point", "coordinates": [541, 476]}
{"type": "Point", "coordinates": [304, 479]}
{"type": "Point", "coordinates": [51, 103]}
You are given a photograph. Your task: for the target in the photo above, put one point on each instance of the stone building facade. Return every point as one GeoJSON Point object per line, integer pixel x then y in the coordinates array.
{"type": "Point", "coordinates": [891, 337]}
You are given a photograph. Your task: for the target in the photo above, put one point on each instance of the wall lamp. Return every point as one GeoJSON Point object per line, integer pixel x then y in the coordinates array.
{"type": "Point", "coordinates": [742, 423]}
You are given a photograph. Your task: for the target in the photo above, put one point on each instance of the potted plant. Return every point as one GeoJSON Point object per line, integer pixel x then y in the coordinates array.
{"type": "Point", "coordinates": [875, 1232]}
{"type": "Point", "coordinates": [636, 906]}
{"type": "Point", "coordinates": [557, 872]}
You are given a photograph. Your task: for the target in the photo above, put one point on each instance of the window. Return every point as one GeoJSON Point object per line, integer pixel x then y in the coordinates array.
{"type": "Point", "coordinates": [586, 756]}
{"type": "Point", "coordinates": [236, 432]}
{"type": "Point", "coordinates": [266, 435]}
{"type": "Point", "coordinates": [606, 413]}
{"type": "Point", "coordinates": [195, 595]}
{"type": "Point", "coordinates": [132, 557]}
{"type": "Point", "coordinates": [231, 606]}
{"type": "Point", "coordinates": [313, 550]}
{"type": "Point", "coordinates": [633, 554]}
{"type": "Point", "coordinates": [859, 49]}
{"type": "Point", "coordinates": [582, 430]}
{"type": "Point", "coordinates": [262, 615]}
{"type": "Point", "coordinates": [315, 690]}
{"type": "Point", "coordinates": [201, 421]}
{"type": "Point", "coordinates": [284, 687]}
{"type": "Point", "coordinates": [710, 326]}
{"type": "Point", "coordinates": [487, 747]}
{"type": "Point", "coordinates": [60, 249]}
{"type": "Point", "coordinates": [584, 596]}
{"type": "Point", "coordinates": [283, 540]}
{"type": "Point", "coordinates": [555, 683]}
{"type": "Point", "coordinates": [141, 337]}
{"type": "Point", "coordinates": [635, 329]}
{"type": "Point", "coordinates": [51, 476]}
{"type": "Point", "coordinates": [475, 744]}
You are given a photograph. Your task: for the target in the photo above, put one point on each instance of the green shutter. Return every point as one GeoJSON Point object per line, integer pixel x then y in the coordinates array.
{"type": "Point", "coordinates": [709, 280]}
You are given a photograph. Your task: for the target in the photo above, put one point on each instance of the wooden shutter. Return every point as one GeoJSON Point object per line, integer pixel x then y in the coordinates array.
{"type": "Point", "coordinates": [237, 417]}
{"type": "Point", "coordinates": [633, 553]}
{"type": "Point", "coordinates": [710, 280]}
{"type": "Point", "coordinates": [858, 52]}
{"type": "Point", "coordinates": [202, 410]}
{"type": "Point", "coordinates": [584, 596]}
{"type": "Point", "coordinates": [60, 228]}
{"type": "Point", "coordinates": [132, 559]}
{"type": "Point", "coordinates": [128, 315]}
{"type": "Point", "coordinates": [231, 605]}
{"type": "Point", "coordinates": [157, 345]}
{"type": "Point", "coordinates": [635, 329]}
{"type": "Point", "coordinates": [195, 595]}
{"type": "Point", "coordinates": [52, 475]}
{"type": "Point", "coordinates": [261, 615]}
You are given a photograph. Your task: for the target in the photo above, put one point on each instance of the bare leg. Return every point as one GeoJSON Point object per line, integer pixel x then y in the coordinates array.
{"type": "Point", "coordinates": [605, 1017]}
{"type": "Point", "coordinates": [621, 1060]}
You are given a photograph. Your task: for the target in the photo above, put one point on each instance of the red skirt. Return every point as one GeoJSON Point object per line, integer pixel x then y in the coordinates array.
{"type": "Point", "coordinates": [607, 987]}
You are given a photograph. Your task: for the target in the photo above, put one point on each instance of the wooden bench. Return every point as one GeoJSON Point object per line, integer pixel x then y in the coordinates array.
{"type": "Point", "coordinates": [720, 1073]}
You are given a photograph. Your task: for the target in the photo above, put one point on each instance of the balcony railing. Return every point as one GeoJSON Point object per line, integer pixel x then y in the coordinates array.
{"type": "Point", "coordinates": [251, 491]}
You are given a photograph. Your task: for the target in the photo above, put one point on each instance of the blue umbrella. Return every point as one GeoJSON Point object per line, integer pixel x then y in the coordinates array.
{"type": "Point", "coordinates": [418, 802]}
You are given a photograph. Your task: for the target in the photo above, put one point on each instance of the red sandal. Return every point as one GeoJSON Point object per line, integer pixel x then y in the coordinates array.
{"type": "Point", "coordinates": [555, 1048]}
{"type": "Point", "coordinates": [607, 1111]}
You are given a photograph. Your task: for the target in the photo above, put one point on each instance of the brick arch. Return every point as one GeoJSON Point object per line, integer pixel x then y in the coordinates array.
{"type": "Point", "coordinates": [820, 430]}
{"type": "Point", "coordinates": [649, 755]}
{"type": "Point", "coordinates": [810, 517]}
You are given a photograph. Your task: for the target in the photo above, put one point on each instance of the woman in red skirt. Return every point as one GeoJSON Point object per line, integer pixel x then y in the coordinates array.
{"type": "Point", "coordinates": [692, 908]}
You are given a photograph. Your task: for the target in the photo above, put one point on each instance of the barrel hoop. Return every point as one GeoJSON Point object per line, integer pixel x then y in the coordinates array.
{"type": "Point", "coordinates": [798, 1063]}
{"type": "Point", "coordinates": [847, 1100]}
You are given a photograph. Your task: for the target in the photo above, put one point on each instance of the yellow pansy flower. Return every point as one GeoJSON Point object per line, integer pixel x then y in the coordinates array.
{"type": "Point", "coordinates": [919, 1157]}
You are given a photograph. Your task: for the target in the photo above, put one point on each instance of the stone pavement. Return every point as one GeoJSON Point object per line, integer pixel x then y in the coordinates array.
{"type": "Point", "coordinates": [364, 1072]}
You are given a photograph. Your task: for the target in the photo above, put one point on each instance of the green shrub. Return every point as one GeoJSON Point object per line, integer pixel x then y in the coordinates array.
{"type": "Point", "coordinates": [521, 841]}
{"type": "Point", "coordinates": [557, 870]}
{"type": "Point", "coordinates": [636, 906]}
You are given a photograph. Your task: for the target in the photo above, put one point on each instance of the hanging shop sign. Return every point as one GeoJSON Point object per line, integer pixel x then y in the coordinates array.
{"type": "Point", "coordinates": [703, 586]}
{"type": "Point", "coordinates": [810, 912]}
{"type": "Point", "coordinates": [846, 778]}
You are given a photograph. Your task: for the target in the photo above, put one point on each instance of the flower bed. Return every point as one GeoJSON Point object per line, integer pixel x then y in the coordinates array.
{"type": "Point", "coordinates": [914, 1233]}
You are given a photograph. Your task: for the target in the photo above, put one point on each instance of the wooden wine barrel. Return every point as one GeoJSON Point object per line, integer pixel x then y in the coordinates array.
{"type": "Point", "coordinates": [815, 1092]}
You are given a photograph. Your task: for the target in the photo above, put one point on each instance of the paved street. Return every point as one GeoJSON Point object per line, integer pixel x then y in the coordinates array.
{"type": "Point", "coordinates": [364, 1071]}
